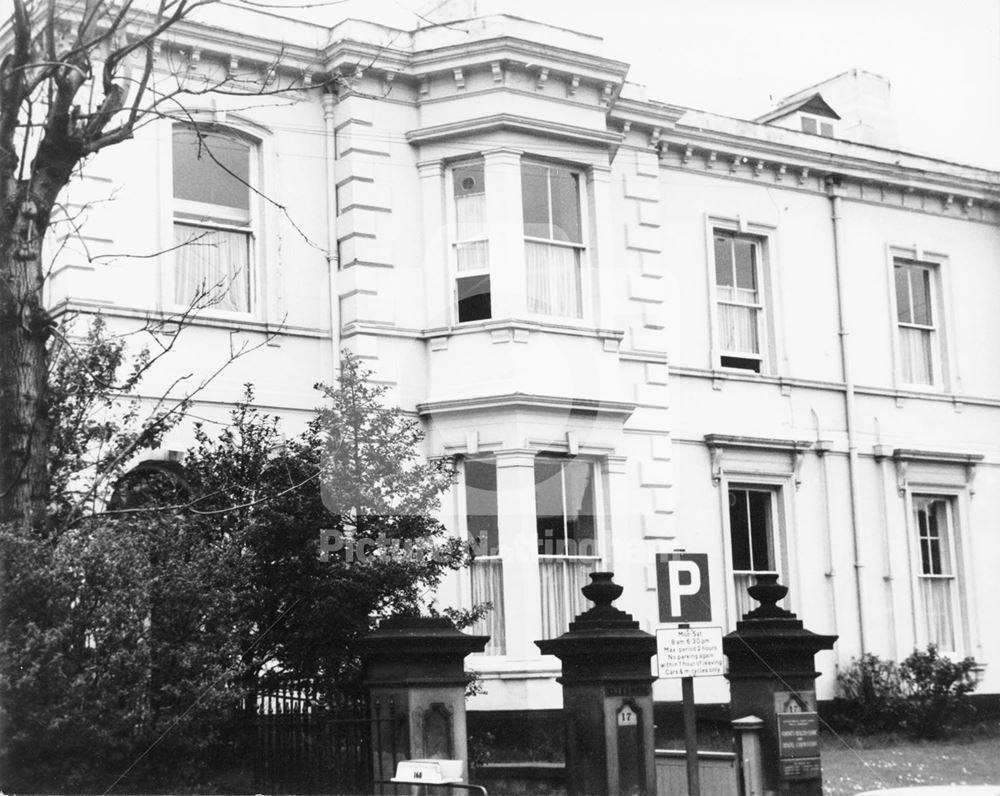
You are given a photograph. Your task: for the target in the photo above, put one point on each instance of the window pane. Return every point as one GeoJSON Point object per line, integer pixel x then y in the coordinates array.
{"type": "Point", "coordinates": [739, 529]}
{"type": "Point", "coordinates": [920, 284]}
{"type": "Point", "coordinates": [553, 276]}
{"type": "Point", "coordinates": [487, 587]}
{"type": "Point", "coordinates": [212, 168]}
{"type": "Point", "coordinates": [808, 125]}
{"type": "Point", "coordinates": [760, 530]}
{"type": "Point", "coordinates": [473, 298]}
{"type": "Point", "coordinates": [212, 267]}
{"type": "Point", "coordinates": [469, 180]}
{"type": "Point", "coordinates": [535, 200]}
{"type": "Point", "coordinates": [470, 201]}
{"type": "Point", "coordinates": [738, 328]}
{"type": "Point", "coordinates": [903, 310]}
{"type": "Point", "coordinates": [565, 206]}
{"type": "Point", "coordinates": [579, 484]}
{"type": "Point", "coordinates": [481, 506]}
{"type": "Point", "coordinates": [916, 354]}
{"type": "Point", "coordinates": [723, 261]}
{"type": "Point", "coordinates": [934, 535]}
{"type": "Point", "coordinates": [561, 582]}
{"type": "Point", "coordinates": [746, 271]}
{"type": "Point", "coordinates": [549, 516]}
{"type": "Point", "coordinates": [472, 256]}
{"type": "Point", "coordinates": [939, 614]}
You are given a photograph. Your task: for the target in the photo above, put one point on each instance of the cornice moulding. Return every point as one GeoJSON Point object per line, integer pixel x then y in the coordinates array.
{"type": "Point", "coordinates": [523, 401]}
{"type": "Point", "coordinates": [981, 184]}
{"type": "Point", "coordinates": [512, 123]}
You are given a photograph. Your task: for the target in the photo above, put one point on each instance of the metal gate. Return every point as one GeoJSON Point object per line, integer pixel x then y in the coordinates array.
{"type": "Point", "coordinates": [305, 745]}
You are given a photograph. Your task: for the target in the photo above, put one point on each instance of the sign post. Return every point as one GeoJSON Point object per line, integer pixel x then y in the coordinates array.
{"type": "Point", "coordinates": [684, 651]}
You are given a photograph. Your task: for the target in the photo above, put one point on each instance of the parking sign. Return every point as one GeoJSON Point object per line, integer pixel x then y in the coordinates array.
{"type": "Point", "coordinates": [682, 587]}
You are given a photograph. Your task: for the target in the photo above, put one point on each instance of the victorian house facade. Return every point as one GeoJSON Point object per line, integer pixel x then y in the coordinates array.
{"type": "Point", "coordinates": [637, 328]}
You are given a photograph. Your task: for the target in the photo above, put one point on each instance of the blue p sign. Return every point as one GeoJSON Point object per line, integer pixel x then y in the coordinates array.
{"type": "Point", "coordinates": [682, 587]}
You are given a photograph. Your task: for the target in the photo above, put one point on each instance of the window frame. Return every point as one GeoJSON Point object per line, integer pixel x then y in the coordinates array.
{"type": "Point", "coordinates": [778, 535]}
{"type": "Point", "coordinates": [455, 242]}
{"type": "Point", "coordinates": [763, 236]}
{"type": "Point", "coordinates": [940, 358]}
{"type": "Point", "coordinates": [580, 248]}
{"type": "Point", "coordinates": [960, 609]}
{"type": "Point", "coordinates": [221, 218]}
{"type": "Point", "coordinates": [492, 558]}
{"type": "Point", "coordinates": [572, 600]}
{"type": "Point", "coordinates": [820, 122]}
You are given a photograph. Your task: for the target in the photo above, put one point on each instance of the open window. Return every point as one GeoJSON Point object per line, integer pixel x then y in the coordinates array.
{"type": "Point", "coordinates": [739, 300]}
{"type": "Point", "coordinates": [471, 246]}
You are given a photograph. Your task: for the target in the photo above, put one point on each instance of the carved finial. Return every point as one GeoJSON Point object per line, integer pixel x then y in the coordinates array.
{"type": "Point", "coordinates": [459, 78]}
{"type": "Point", "coordinates": [767, 591]}
{"type": "Point", "coordinates": [497, 72]}
{"type": "Point", "coordinates": [574, 84]}
{"type": "Point", "coordinates": [602, 589]}
{"type": "Point", "coordinates": [543, 76]}
{"type": "Point", "coordinates": [711, 159]}
{"type": "Point", "coordinates": [688, 152]}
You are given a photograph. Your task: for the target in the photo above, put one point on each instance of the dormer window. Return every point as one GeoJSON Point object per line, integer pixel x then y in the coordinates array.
{"type": "Point", "coordinates": [815, 125]}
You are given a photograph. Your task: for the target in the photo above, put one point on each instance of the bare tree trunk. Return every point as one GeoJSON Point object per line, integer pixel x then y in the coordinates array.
{"type": "Point", "coordinates": [24, 328]}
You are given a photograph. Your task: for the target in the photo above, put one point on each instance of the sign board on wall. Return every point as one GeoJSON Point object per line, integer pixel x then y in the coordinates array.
{"type": "Point", "coordinates": [798, 724]}
{"type": "Point", "coordinates": [689, 651]}
{"type": "Point", "coordinates": [682, 587]}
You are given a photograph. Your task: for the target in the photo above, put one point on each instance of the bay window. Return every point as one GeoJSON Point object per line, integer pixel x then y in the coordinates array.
{"type": "Point", "coordinates": [213, 233]}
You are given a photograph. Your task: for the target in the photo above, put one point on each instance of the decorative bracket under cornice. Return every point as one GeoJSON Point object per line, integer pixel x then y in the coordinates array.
{"type": "Point", "coordinates": [905, 457]}
{"type": "Point", "coordinates": [719, 444]}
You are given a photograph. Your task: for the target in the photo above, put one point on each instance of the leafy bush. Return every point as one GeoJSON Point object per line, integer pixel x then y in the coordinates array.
{"type": "Point", "coordinates": [871, 696]}
{"type": "Point", "coordinates": [925, 696]}
{"type": "Point", "coordinates": [936, 693]}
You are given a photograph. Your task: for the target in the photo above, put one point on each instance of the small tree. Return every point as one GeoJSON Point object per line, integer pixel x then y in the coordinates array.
{"type": "Point", "coordinates": [263, 491]}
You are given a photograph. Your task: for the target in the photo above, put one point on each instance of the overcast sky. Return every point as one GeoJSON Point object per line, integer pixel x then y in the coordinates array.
{"type": "Point", "coordinates": [734, 57]}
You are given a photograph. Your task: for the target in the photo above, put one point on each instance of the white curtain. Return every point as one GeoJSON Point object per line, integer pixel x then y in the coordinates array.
{"type": "Point", "coordinates": [915, 345]}
{"type": "Point", "coordinates": [936, 595]}
{"type": "Point", "coordinates": [561, 580]}
{"type": "Point", "coordinates": [487, 587]}
{"type": "Point", "coordinates": [744, 602]}
{"type": "Point", "coordinates": [212, 265]}
{"type": "Point", "coordinates": [553, 279]}
{"type": "Point", "coordinates": [470, 218]}
{"type": "Point", "coordinates": [738, 328]}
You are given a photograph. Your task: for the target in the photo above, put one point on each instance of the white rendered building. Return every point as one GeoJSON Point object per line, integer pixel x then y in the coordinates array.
{"type": "Point", "coordinates": [639, 328]}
